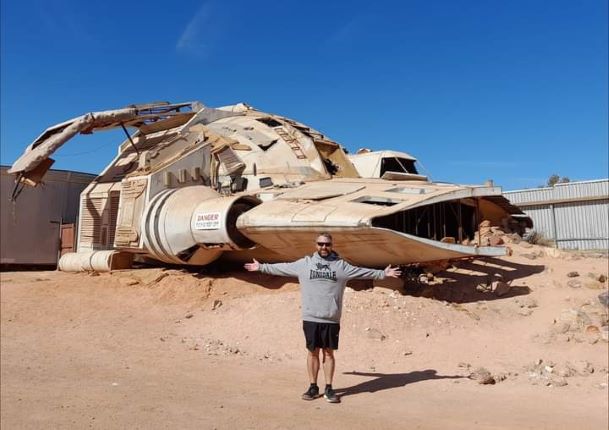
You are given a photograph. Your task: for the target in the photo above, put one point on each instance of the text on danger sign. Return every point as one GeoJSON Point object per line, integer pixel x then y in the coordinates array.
{"type": "Point", "coordinates": [208, 221]}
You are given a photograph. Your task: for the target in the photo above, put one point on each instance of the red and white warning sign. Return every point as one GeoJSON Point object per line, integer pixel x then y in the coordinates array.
{"type": "Point", "coordinates": [207, 221]}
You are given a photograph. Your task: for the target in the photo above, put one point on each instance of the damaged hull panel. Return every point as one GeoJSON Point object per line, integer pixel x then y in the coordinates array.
{"type": "Point", "coordinates": [375, 222]}
{"type": "Point", "coordinates": [54, 137]}
{"type": "Point", "coordinates": [373, 247]}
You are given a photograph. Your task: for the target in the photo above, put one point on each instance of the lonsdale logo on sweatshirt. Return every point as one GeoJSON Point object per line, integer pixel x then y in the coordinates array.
{"type": "Point", "coordinates": [322, 283]}
{"type": "Point", "coordinates": [322, 271]}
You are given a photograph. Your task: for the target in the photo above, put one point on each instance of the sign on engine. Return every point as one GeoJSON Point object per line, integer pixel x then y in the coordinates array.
{"type": "Point", "coordinates": [208, 221]}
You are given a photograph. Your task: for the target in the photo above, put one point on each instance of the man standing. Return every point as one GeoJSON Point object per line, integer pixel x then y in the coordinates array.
{"type": "Point", "coordinates": [322, 277]}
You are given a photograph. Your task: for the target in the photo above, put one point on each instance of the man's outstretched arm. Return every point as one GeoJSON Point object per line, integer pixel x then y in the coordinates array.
{"type": "Point", "coordinates": [279, 269]}
{"type": "Point", "coordinates": [355, 272]}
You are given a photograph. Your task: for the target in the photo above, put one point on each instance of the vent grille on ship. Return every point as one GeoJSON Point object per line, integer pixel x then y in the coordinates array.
{"type": "Point", "coordinates": [98, 221]}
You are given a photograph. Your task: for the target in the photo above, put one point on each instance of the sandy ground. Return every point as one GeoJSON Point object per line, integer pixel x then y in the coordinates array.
{"type": "Point", "coordinates": [156, 349]}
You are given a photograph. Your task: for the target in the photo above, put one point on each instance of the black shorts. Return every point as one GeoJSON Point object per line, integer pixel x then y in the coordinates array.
{"type": "Point", "coordinates": [321, 335]}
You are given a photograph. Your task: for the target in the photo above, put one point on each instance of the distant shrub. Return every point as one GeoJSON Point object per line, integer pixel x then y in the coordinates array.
{"type": "Point", "coordinates": [537, 238]}
{"type": "Point", "coordinates": [556, 179]}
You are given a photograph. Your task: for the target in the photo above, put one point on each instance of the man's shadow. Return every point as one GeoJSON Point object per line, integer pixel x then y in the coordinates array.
{"type": "Point", "coordinates": [387, 381]}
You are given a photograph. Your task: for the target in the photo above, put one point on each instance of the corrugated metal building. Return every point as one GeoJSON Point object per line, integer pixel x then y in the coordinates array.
{"type": "Point", "coordinates": [574, 215]}
{"type": "Point", "coordinates": [30, 226]}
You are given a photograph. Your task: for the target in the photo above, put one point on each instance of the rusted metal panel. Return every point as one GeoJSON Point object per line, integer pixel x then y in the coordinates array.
{"type": "Point", "coordinates": [30, 226]}
{"type": "Point", "coordinates": [68, 239]}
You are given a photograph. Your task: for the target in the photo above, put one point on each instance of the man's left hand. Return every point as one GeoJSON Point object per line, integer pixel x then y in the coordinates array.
{"type": "Point", "coordinates": [393, 272]}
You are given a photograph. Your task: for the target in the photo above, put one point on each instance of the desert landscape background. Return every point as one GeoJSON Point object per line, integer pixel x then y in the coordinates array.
{"type": "Point", "coordinates": [516, 342]}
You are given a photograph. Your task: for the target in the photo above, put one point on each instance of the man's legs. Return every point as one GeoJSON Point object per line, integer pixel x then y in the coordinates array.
{"type": "Point", "coordinates": [313, 370]}
{"type": "Point", "coordinates": [325, 335]}
{"type": "Point", "coordinates": [313, 365]}
{"type": "Point", "coordinates": [328, 365]}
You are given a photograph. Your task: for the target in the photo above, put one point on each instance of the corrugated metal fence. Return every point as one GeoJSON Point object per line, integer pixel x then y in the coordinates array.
{"type": "Point", "coordinates": [575, 215]}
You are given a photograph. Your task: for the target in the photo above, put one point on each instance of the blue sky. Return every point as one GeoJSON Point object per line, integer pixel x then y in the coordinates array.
{"type": "Point", "coordinates": [512, 91]}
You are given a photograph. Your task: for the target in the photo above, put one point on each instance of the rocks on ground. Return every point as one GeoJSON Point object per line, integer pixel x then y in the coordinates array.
{"type": "Point", "coordinates": [482, 376]}
{"type": "Point", "coordinates": [587, 323]}
{"type": "Point", "coordinates": [375, 334]}
{"type": "Point", "coordinates": [551, 374]}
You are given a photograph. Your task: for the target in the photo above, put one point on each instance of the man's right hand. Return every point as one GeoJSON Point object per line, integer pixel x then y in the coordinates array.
{"type": "Point", "coordinates": [393, 272]}
{"type": "Point", "coordinates": [252, 267]}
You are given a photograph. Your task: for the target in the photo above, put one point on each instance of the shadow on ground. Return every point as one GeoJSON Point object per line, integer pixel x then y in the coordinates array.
{"type": "Point", "coordinates": [457, 284]}
{"type": "Point", "coordinates": [388, 381]}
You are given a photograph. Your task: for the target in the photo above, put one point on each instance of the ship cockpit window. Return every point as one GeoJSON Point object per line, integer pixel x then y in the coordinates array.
{"type": "Point", "coordinates": [400, 165]}
{"type": "Point", "coordinates": [269, 121]}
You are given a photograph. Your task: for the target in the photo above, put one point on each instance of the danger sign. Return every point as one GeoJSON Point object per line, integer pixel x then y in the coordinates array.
{"type": "Point", "coordinates": [207, 221]}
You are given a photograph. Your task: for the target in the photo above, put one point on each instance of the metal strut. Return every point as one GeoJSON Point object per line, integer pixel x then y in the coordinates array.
{"type": "Point", "coordinates": [130, 140]}
{"type": "Point", "coordinates": [17, 189]}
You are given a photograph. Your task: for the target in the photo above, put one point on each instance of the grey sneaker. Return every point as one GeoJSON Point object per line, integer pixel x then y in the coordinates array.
{"type": "Point", "coordinates": [331, 396]}
{"type": "Point", "coordinates": [311, 393]}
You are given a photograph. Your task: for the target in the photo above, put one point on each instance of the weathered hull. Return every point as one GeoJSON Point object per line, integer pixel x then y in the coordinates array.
{"type": "Point", "coordinates": [194, 184]}
{"type": "Point", "coordinates": [371, 247]}
{"type": "Point", "coordinates": [373, 222]}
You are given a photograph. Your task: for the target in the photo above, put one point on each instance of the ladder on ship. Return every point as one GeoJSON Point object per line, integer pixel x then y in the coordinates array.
{"type": "Point", "coordinates": [291, 140]}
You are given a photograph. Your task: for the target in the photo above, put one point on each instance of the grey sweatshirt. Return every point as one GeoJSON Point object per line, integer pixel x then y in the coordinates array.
{"type": "Point", "coordinates": [322, 283]}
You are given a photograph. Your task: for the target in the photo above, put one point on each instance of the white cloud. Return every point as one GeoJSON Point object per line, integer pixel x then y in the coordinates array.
{"type": "Point", "coordinates": [198, 35]}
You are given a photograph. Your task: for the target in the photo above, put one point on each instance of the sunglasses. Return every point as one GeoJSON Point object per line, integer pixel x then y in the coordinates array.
{"type": "Point", "coordinates": [326, 244]}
